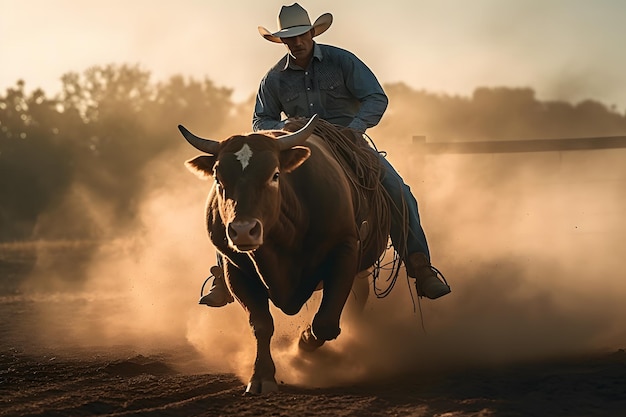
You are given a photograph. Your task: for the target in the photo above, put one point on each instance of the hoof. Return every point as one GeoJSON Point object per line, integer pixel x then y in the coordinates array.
{"type": "Point", "coordinates": [261, 387]}
{"type": "Point", "coordinates": [308, 342]}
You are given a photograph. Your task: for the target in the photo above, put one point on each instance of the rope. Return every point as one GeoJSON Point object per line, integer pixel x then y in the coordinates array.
{"type": "Point", "coordinates": [400, 253]}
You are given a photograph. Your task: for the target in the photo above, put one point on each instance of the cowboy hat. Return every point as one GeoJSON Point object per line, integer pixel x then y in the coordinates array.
{"type": "Point", "coordinates": [294, 21]}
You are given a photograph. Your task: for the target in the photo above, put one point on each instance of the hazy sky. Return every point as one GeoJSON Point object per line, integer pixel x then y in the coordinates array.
{"type": "Point", "coordinates": [564, 49]}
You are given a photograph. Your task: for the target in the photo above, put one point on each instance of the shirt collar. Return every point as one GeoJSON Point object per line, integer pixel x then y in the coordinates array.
{"type": "Point", "coordinates": [317, 53]}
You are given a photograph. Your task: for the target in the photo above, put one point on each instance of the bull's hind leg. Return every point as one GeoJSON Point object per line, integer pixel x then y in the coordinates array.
{"type": "Point", "coordinates": [339, 270]}
{"type": "Point", "coordinates": [254, 298]}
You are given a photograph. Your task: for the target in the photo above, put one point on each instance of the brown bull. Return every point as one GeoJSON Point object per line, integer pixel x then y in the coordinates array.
{"type": "Point", "coordinates": [283, 217]}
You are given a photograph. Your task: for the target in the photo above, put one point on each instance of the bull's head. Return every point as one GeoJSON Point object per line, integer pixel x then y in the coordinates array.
{"type": "Point", "coordinates": [246, 170]}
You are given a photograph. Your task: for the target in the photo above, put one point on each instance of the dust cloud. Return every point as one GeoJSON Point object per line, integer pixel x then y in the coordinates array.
{"type": "Point", "coordinates": [530, 243]}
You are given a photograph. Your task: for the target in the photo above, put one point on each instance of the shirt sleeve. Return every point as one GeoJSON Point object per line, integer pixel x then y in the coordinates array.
{"type": "Point", "coordinates": [267, 110]}
{"type": "Point", "coordinates": [364, 85]}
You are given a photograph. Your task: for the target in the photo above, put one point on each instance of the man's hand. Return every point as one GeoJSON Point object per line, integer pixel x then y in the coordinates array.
{"type": "Point", "coordinates": [293, 124]}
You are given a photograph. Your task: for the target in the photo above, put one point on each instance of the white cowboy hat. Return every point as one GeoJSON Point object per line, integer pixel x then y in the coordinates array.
{"type": "Point", "coordinates": [294, 21]}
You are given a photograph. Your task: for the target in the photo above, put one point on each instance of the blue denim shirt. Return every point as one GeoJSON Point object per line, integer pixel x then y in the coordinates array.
{"type": "Point", "coordinates": [336, 85]}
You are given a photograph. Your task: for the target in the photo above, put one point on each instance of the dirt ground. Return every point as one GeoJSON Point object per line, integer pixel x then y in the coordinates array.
{"type": "Point", "coordinates": [41, 377]}
{"type": "Point", "coordinates": [119, 382]}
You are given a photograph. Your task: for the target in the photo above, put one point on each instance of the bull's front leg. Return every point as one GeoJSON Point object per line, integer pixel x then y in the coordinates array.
{"type": "Point", "coordinates": [339, 270]}
{"type": "Point", "coordinates": [263, 379]}
{"type": "Point", "coordinates": [252, 295]}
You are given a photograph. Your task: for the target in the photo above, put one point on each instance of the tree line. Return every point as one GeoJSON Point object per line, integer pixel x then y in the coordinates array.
{"type": "Point", "coordinates": [109, 122]}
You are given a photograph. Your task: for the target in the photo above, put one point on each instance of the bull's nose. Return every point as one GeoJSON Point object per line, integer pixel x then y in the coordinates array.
{"type": "Point", "coordinates": [246, 234]}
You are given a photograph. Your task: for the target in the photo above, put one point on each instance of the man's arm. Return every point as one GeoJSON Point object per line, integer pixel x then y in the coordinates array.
{"type": "Point", "coordinates": [364, 85]}
{"type": "Point", "coordinates": [267, 111]}
{"type": "Point", "coordinates": [372, 109]}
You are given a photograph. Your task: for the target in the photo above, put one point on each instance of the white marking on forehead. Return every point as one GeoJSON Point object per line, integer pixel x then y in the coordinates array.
{"type": "Point", "coordinates": [243, 155]}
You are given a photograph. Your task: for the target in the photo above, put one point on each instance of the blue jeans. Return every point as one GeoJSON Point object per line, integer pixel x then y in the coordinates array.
{"type": "Point", "coordinates": [399, 191]}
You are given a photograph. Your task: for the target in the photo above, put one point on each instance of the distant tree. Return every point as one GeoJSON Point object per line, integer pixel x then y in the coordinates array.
{"type": "Point", "coordinates": [500, 113]}
{"type": "Point", "coordinates": [99, 134]}
{"type": "Point", "coordinates": [35, 162]}
{"type": "Point", "coordinates": [130, 121]}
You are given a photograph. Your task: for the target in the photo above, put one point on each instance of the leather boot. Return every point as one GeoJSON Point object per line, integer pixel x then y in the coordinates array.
{"type": "Point", "coordinates": [218, 295]}
{"type": "Point", "coordinates": [426, 281]}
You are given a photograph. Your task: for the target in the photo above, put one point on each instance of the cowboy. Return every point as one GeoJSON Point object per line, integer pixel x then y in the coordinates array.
{"type": "Point", "coordinates": [321, 79]}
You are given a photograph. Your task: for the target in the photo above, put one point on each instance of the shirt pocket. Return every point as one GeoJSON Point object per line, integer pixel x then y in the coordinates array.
{"type": "Point", "coordinates": [289, 95]}
{"type": "Point", "coordinates": [331, 83]}
{"type": "Point", "coordinates": [333, 92]}
{"type": "Point", "coordinates": [291, 102]}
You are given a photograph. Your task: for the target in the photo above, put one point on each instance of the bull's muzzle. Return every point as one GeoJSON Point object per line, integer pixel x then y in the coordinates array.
{"type": "Point", "coordinates": [245, 235]}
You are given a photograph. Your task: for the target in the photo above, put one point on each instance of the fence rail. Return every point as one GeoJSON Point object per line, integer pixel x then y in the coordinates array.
{"type": "Point", "coordinates": [513, 146]}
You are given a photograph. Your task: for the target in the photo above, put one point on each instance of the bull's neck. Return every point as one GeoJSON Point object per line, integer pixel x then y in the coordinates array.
{"type": "Point", "coordinates": [288, 229]}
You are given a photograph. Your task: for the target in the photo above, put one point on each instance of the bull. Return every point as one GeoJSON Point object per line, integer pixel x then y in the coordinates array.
{"type": "Point", "coordinates": [281, 211]}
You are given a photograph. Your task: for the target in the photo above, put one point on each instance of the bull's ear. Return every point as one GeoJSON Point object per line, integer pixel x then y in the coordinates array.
{"type": "Point", "coordinates": [202, 166]}
{"type": "Point", "coordinates": [291, 159]}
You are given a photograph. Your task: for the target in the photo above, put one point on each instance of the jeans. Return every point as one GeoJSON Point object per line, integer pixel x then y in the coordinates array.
{"type": "Point", "coordinates": [399, 191]}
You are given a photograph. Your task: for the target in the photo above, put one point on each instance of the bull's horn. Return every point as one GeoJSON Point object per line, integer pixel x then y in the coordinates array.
{"type": "Point", "coordinates": [205, 145]}
{"type": "Point", "coordinates": [299, 137]}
